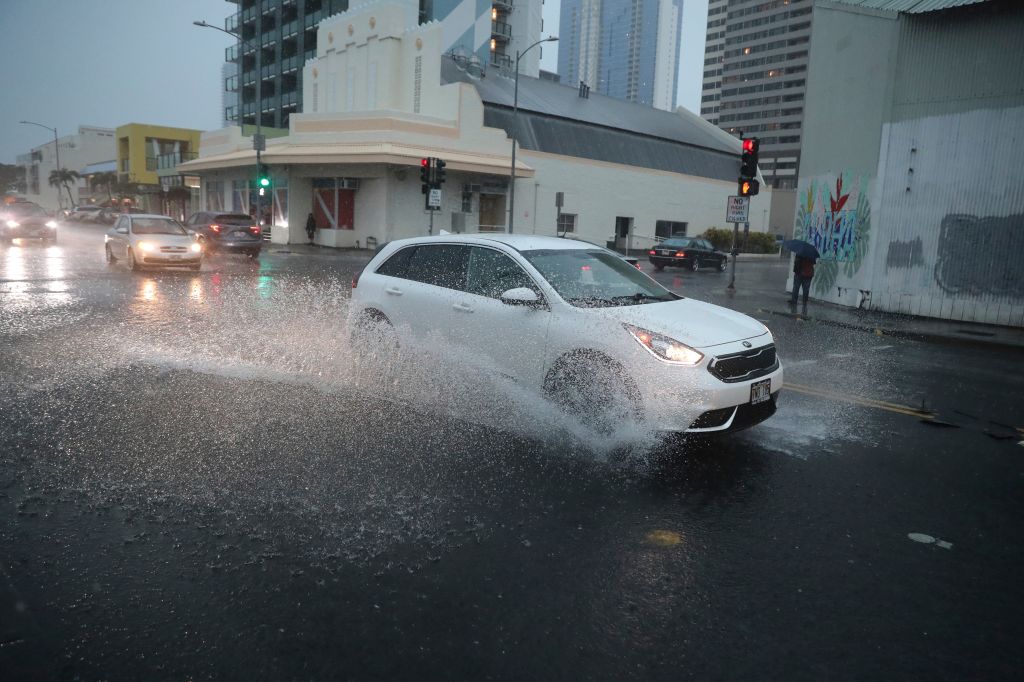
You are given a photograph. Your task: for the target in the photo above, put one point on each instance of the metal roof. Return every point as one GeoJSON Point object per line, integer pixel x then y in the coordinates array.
{"type": "Point", "coordinates": [910, 6]}
{"type": "Point", "coordinates": [553, 118]}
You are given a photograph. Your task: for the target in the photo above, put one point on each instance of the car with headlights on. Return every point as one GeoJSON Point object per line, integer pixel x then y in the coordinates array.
{"type": "Point", "coordinates": [143, 240]}
{"type": "Point", "coordinates": [24, 219]}
{"type": "Point", "coordinates": [599, 338]}
{"type": "Point", "coordinates": [687, 252]}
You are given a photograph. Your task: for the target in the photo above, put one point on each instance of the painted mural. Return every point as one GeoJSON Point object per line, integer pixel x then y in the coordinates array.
{"type": "Point", "coordinates": [834, 214]}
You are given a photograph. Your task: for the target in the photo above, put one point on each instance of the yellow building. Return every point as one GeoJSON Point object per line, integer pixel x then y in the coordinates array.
{"type": "Point", "coordinates": [148, 153]}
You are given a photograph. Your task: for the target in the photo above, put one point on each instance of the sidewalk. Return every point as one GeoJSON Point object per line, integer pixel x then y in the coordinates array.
{"type": "Point", "coordinates": [760, 288]}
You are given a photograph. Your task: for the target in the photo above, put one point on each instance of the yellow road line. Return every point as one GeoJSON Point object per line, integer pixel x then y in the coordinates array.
{"type": "Point", "coordinates": [865, 402]}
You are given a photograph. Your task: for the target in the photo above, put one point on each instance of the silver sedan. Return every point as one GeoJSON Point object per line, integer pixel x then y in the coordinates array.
{"type": "Point", "coordinates": [142, 240]}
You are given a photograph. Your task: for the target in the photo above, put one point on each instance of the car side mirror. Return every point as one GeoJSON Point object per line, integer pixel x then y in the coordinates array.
{"type": "Point", "coordinates": [520, 296]}
{"type": "Point", "coordinates": [122, 230]}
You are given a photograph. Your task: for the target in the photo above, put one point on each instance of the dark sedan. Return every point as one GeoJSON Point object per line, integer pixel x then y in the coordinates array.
{"type": "Point", "coordinates": [229, 232]}
{"type": "Point", "coordinates": [687, 252]}
{"type": "Point", "coordinates": [24, 219]}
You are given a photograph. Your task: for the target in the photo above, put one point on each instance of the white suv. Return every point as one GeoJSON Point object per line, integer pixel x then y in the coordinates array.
{"type": "Point", "coordinates": [601, 339]}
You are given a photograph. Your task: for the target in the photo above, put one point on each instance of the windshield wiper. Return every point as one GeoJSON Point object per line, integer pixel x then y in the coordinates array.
{"type": "Point", "coordinates": [640, 296]}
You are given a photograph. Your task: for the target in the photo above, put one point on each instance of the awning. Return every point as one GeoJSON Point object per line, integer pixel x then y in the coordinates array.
{"type": "Point", "coordinates": [358, 153]}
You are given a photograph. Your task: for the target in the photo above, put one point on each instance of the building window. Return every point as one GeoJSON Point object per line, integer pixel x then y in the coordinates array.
{"type": "Point", "coordinates": [566, 222]}
{"type": "Point", "coordinates": [467, 202]}
{"type": "Point", "coordinates": [666, 229]}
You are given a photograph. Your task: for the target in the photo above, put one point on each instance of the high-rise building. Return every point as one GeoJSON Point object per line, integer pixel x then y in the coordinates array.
{"type": "Point", "coordinates": [628, 49]}
{"type": "Point", "coordinates": [279, 36]}
{"type": "Point", "coordinates": [755, 70]}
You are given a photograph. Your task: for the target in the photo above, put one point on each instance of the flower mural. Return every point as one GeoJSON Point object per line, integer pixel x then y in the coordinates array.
{"type": "Point", "coordinates": [834, 214]}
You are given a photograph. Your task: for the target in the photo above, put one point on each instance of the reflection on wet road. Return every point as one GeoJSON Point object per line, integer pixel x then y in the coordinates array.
{"type": "Point", "coordinates": [198, 479]}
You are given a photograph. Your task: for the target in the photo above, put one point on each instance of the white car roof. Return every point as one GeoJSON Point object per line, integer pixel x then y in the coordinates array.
{"type": "Point", "coordinates": [149, 215]}
{"type": "Point", "coordinates": [520, 242]}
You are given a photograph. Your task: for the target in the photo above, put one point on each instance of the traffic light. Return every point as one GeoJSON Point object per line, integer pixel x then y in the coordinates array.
{"type": "Point", "coordinates": [748, 184]}
{"type": "Point", "coordinates": [749, 188]}
{"type": "Point", "coordinates": [439, 172]}
{"type": "Point", "coordinates": [425, 167]}
{"type": "Point", "coordinates": [263, 179]}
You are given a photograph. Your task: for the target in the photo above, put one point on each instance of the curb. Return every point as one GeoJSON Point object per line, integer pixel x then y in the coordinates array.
{"type": "Point", "coordinates": [929, 337]}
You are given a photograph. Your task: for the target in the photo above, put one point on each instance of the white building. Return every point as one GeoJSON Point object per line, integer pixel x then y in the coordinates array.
{"type": "Point", "coordinates": [380, 96]}
{"type": "Point", "coordinates": [909, 181]}
{"type": "Point", "coordinates": [88, 146]}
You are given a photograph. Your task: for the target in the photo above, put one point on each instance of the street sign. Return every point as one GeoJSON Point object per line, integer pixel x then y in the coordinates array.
{"type": "Point", "coordinates": [259, 143]}
{"type": "Point", "coordinates": [434, 199]}
{"type": "Point", "coordinates": [559, 199]}
{"type": "Point", "coordinates": [737, 210]}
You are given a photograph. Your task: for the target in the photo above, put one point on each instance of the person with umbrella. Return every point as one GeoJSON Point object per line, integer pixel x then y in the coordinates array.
{"type": "Point", "coordinates": [803, 266]}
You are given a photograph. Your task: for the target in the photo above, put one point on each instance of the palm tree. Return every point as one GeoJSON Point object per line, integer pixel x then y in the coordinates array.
{"type": "Point", "coordinates": [106, 180]}
{"type": "Point", "coordinates": [62, 177]}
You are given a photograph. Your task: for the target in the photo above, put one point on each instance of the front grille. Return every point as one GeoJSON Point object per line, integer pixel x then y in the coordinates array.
{"type": "Point", "coordinates": [750, 364]}
{"type": "Point", "coordinates": [173, 249]}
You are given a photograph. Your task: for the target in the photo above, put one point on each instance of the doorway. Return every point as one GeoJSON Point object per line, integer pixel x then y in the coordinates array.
{"type": "Point", "coordinates": [623, 233]}
{"type": "Point", "coordinates": [492, 212]}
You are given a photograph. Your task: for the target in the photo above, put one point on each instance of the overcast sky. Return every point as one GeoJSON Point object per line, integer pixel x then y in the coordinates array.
{"type": "Point", "coordinates": [105, 63]}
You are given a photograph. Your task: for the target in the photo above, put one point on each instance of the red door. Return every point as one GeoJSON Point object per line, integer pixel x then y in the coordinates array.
{"type": "Point", "coordinates": [346, 209]}
{"type": "Point", "coordinates": [324, 209]}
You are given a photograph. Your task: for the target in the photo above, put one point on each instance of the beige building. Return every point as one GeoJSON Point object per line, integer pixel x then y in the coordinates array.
{"type": "Point", "coordinates": [379, 96]}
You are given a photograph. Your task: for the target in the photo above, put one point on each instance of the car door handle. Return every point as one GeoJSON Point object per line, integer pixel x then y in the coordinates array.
{"type": "Point", "coordinates": [464, 307]}
{"type": "Point", "coordinates": [394, 291]}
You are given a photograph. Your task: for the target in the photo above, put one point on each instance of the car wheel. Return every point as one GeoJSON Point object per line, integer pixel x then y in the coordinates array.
{"type": "Point", "coordinates": [723, 264]}
{"type": "Point", "coordinates": [111, 258]}
{"type": "Point", "coordinates": [659, 266]}
{"type": "Point", "coordinates": [694, 265]}
{"type": "Point", "coordinates": [374, 340]}
{"type": "Point", "coordinates": [595, 390]}
{"type": "Point", "coordinates": [132, 263]}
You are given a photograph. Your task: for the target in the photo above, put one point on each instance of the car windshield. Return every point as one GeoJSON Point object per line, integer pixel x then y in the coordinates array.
{"type": "Point", "coordinates": [26, 210]}
{"type": "Point", "coordinates": [678, 243]}
{"type": "Point", "coordinates": [233, 219]}
{"type": "Point", "coordinates": [156, 226]}
{"type": "Point", "coordinates": [595, 278]}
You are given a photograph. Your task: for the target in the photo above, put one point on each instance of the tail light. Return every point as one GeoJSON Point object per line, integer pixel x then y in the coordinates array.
{"type": "Point", "coordinates": [680, 254]}
{"type": "Point", "coordinates": [215, 228]}
{"type": "Point", "coordinates": [637, 264]}
{"type": "Point", "coordinates": [651, 252]}
{"type": "Point", "coordinates": [255, 229]}
{"type": "Point", "coordinates": [355, 279]}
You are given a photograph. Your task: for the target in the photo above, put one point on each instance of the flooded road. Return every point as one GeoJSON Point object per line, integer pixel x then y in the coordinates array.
{"type": "Point", "coordinates": [197, 479]}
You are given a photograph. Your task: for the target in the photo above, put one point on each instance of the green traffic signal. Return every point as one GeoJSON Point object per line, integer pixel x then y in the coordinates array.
{"type": "Point", "coordinates": [264, 182]}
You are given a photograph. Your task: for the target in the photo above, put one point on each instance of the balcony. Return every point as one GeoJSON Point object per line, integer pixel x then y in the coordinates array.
{"type": "Point", "coordinates": [290, 29]}
{"type": "Point", "coordinates": [249, 15]}
{"type": "Point", "coordinates": [502, 61]}
{"type": "Point", "coordinates": [501, 30]}
{"type": "Point", "coordinates": [290, 64]}
{"type": "Point", "coordinates": [269, 71]}
{"type": "Point", "coordinates": [232, 23]}
{"type": "Point", "coordinates": [503, 4]}
{"type": "Point", "coordinates": [231, 53]}
{"type": "Point", "coordinates": [169, 162]}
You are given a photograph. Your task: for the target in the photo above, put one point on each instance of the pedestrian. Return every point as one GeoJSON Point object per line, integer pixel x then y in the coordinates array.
{"type": "Point", "coordinates": [310, 227]}
{"type": "Point", "coordinates": [803, 273]}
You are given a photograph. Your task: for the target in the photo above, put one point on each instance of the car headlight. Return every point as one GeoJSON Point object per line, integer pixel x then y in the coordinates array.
{"type": "Point", "coordinates": [12, 223]}
{"type": "Point", "coordinates": [664, 348]}
{"type": "Point", "coordinates": [146, 246]}
{"type": "Point", "coordinates": [52, 224]}
{"type": "Point", "coordinates": [196, 248]}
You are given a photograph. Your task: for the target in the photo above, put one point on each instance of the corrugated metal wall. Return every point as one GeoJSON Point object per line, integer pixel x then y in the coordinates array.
{"type": "Point", "coordinates": [949, 215]}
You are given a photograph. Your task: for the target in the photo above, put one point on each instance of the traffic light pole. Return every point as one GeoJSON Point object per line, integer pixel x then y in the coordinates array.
{"type": "Point", "coordinates": [735, 252]}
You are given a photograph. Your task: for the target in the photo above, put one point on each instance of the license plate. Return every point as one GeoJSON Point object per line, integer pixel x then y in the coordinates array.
{"type": "Point", "coordinates": [664, 253]}
{"type": "Point", "coordinates": [176, 255]}
{"type": "Point", "coordinates": [760, 391]}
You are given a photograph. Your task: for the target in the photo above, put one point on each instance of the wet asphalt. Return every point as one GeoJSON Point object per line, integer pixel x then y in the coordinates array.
{"type": "Point", "coordinates": [197, 482]}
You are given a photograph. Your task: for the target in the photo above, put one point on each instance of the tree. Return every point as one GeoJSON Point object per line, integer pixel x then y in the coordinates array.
{"type": "Point", "coordinates": [107, 180]}
{"type": "Point", "coordinates": [62, 177]}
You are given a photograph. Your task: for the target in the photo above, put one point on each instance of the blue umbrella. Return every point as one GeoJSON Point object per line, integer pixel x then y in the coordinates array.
{"type": "Point", "coordinates": [801, 248]}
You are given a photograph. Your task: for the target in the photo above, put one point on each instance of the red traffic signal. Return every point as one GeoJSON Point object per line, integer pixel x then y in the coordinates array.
{"type": "Point", "coordinates": [425, 168]}
{"type": "Point", "coordinates": [751, 145]}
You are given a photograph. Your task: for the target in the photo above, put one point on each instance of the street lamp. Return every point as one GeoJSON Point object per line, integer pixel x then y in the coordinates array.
{"type": "Point", "coordinates": [515, 122]}
{"type": "Point", "coordinates": [257, 142]}
{"type": "Point", "coordinates": [56, 150]}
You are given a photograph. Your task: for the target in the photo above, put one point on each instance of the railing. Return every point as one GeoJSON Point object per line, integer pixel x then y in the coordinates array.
{"type": "Point", "coordinates": [289, 64]}
{"type": "Point", "coordinates": [231, 83]}
{"type": "Point", "coordinates": [249, 15]}
{"type": "Point", "coordinates": [313, 19]}
{"type": "Point", "coordinates": [151, 163]}
{"type": "Point", "coordinates": [268, 71]}
{"type": "Point", "coordinates": [501, 60]}
{"type": "Point", "coordinates": [501, 29]}
{"type": "Point", "coordinates": [232, 23]}
{"type": "Point", "coordinates": [231, 53]}
{"type": "Point", "coordinates": [503, 4]}
{"type": "Point", "coordinates": [290, 29]}
{"type": "Point", "coordinates": [166, 161]}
